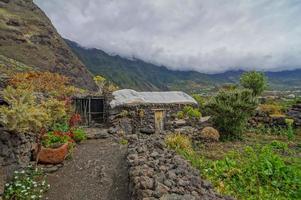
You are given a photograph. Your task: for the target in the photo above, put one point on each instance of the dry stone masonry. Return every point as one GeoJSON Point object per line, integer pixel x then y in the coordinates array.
{"type": "Point", "coordinates": [295, 113]}
{"type": "Point", "coordinates": [15, 152]}
{"type": "Point", "coordinates": [156, 172]}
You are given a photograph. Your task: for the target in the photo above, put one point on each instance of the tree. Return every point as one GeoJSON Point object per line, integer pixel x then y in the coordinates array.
{"type": "Point", "coordinates": [255, 81]}
{"type": "Point", "coordinates": [230, 111]}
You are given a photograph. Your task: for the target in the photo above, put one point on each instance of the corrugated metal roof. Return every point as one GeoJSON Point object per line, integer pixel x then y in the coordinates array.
{"type": "Point", "coordinates": [127, 97]}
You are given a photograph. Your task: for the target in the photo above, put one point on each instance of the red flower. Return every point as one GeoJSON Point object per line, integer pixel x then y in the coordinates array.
{"type": "Point", "coordinates": [74, 120]}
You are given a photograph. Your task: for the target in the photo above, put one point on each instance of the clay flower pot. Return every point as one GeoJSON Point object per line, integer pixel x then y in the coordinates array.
{"type": "Point", "coordinates": [53, 155]}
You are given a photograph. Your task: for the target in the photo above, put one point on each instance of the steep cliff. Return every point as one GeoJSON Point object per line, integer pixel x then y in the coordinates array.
{"type": "Point", "coordinates": [27, 36]}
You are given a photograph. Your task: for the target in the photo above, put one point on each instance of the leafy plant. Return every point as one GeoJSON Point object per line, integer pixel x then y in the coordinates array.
{"type": "Point", "coordinates": [54, 138]}
{"type": "Point", "coordinates": [178, 141]}
{"type": "Point", "coordinates": [44, 82]}
{"type": "Point", "coordinates": [55, 110]}
{"type": "Point", "coordinates": [26, 184]}
{"type": "Point", "coordinates": [190, 112]}
{"type": "Point", "coordinates": [180, 115]}
{"type": "Point", "coordinates": [100, 82]}
{"type": "Point", "coordinates": [290, 130]}
{"type": "Point", "coordinates": [124, 113]}
{"type": "Point", "coordinates": [62, 127]}
{"type": "Point", "coordinates": [231, 110]}
{"type": "Point", "coordinates": [23, 113]}
{"type": "Point", "coordinates": [255, 173]}
{"type": "Point", "coordinates": [79, 135]}
{"type": "Point", "coordinates": [201, 101]}
{"type": "Point", "coordinates": [123, 142]}
{"type": "Point", "coordinates": [255, 81]}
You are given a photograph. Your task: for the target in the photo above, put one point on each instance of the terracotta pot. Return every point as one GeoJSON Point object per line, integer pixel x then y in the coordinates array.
{"type": "Point", "coordinates": [53, 155]}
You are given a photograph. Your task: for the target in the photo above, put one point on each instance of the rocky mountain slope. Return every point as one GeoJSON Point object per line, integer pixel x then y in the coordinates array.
{"type": "Point", "coordinates": [29, 41]}
{"type": "Point", "coordinates": [140, 75]}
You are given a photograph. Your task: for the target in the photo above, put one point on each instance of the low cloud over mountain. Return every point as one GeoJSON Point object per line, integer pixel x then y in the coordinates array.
{"type": "Point", "coordinates": [206, 36]}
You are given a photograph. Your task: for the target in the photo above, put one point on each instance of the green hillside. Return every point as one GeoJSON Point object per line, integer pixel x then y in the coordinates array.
{"type": "Point", "coordinates": [139, 75]}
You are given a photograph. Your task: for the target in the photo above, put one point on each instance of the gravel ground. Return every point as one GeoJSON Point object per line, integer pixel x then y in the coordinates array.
{"type": "Point", "coordinates": [97, 170]}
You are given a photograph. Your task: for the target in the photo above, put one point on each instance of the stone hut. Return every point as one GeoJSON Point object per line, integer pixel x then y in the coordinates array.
{"type": "Point", "coordinates": [146, 112]}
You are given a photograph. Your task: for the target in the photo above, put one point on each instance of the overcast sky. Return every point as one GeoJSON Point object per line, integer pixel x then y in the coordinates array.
{"type": "Point", "coordinates": [204, 35]}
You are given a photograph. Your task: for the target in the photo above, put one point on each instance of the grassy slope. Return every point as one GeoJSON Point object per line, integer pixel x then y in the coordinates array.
{"type": "Point", "coordinates": [27, 36]}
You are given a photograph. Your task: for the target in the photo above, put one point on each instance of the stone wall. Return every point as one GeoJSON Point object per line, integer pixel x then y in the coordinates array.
{"type": "Point", "coordinates": [15, 152]}
{"type": "Point", "coordinates": [156, 172]}
{"type": "Point", "coordinates": [295, 113]}
{"type": "Point", "coordinates": [141, 118]}
{"type": "Point", "coordinates": [264, 118]}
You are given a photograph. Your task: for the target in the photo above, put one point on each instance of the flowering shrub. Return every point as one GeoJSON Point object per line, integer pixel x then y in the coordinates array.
{"type": "Point", "coordinates": [26, 184]}
{"type": "Point", "coordinates": [100, 82]}
{"type": "Point", "coordinates": [44, 82]}
{"type": "Point", "coordinates": [74, 120]}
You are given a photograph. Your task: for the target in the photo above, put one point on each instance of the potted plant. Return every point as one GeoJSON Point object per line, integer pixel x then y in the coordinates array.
{"type": "Point", "coordinates": [55, 147]}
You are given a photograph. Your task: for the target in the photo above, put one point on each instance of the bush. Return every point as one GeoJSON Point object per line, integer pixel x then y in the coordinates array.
{"type": "Point", "coordinates": [26, 184]}
{"type": "Point", "coordinates": [210, 134]}
{"type": "Point", "coordinates": [79, 135]}
{"type": "Point", "coordinates": [178, 141]}
{"type": "Point", "coordinates": [200, 100]}
{"type": "Point", "coordinates": [55, 138]}
{"type": "Point", "coordinates": [180, 115]}
{"type": "Point", "coordinates": [55, 110]}
{"type": "Point", "coordinates": [271, 109]}
{"type": "Point", "coordinates": [191, 113]}
{"type": "Point", "coordinates": [44, 82]}
{"type": "Point", "coordinates": [255, 173]}
{"type": "Point", "coordinates": [231, 110]}
{"type": "Point", "coordinates": [255, 81]}
{"type": "Point", "coordinates": [23, 114]}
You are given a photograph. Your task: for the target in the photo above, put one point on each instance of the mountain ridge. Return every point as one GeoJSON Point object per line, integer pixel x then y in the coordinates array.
{"type": "Point", "coordinates": [140, 75]}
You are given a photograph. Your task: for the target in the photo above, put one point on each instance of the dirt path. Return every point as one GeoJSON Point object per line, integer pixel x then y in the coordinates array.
{"type": "Point", "coordinates": [97, 171]}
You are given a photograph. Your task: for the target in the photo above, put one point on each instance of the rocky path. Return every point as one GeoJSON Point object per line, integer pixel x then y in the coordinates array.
{"type": "Point", "coordinates": [97, 170]}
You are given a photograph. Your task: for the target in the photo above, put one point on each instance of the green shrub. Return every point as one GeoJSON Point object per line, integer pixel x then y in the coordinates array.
{"type": "Point", "coordinates": [178, 141]}
{"type": "Point", "coordinates": [123, 142]}
{"type": "Point", "coordinates": [231, 110]}
{"type": "Point", "coordinates": [191, 113]}
{"type": "Point", "coordinates": [180, 115]}
{"type": "Point", "coordinates": [79, 135]}
{"type": "Point", "coordinates": [26, 184]}
{"type": "Point", "coordinates": [62, 127]}
{"type": "Point", "coordinates": [255, 173]}
{"type": "Point", "coordinates": [54, 138]}
{"type": "Point", "coordinates": [201, 101]}
{"type": "Point", "coordinates": [271, 109]}
{"type": "Point", "coordinates": [255, 81]}
{"type": "Point", "coordinates": [23, 114]}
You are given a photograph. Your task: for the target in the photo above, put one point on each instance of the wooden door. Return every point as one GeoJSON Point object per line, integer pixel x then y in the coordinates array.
{"type": "Point", "coordinates": [159, 121]}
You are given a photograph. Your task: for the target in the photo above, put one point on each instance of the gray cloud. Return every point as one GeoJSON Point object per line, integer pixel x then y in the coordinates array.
{"type": "Point", "coordinates": [207, 36]}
